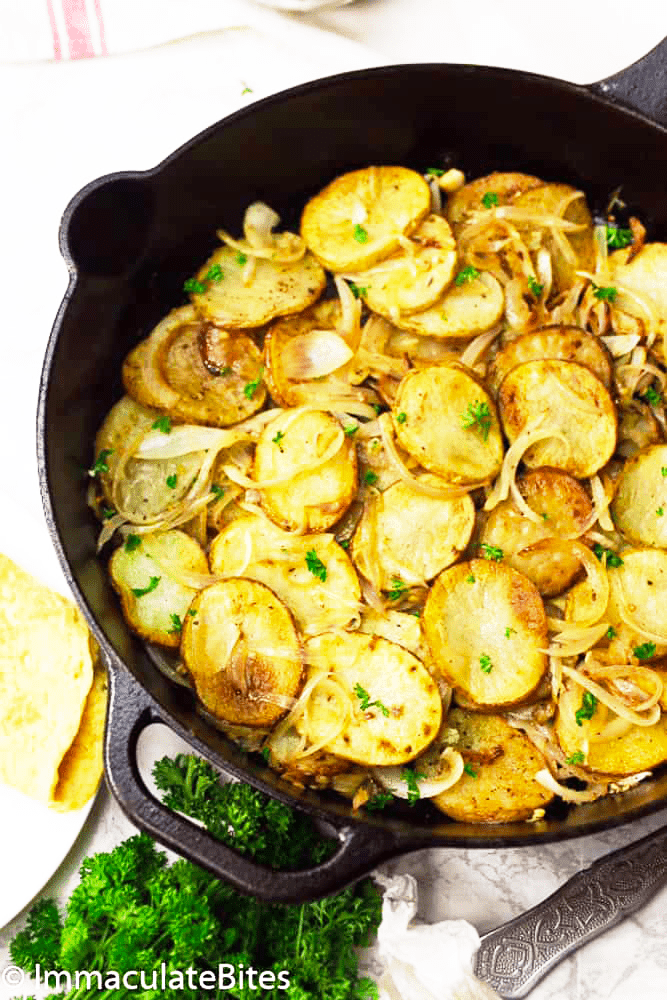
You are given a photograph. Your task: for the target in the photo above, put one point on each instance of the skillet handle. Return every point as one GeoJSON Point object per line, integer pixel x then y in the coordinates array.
{"type": "Point", "coordinates": [131, 710]}
{"type": "Point", "coordinates": [642, 86]}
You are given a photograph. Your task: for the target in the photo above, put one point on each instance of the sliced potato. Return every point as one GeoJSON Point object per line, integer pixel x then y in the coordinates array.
{"type": "Point", "coordinates": [158, 565]}
{"type": "Point", "coordinates": [359, 217]}
{"type": "Point", "coordinates": [485, 626]}
{"type": "Point", "coordinates": [415, 278]}
{"type": "Point", "coordinates": [389, 546]}
{"type": "Point", "coordinates": [468, 199]}
{"type": "Point", "coordinates": [548, 200]}
{"type": "Point", "coordinates": [639, 508]}
{"type": "Point", "coordinates": [449, 424]}
{"type": "Point", "coordinates": [243, 652]}
{"type": "Point", "coordinates": [644, 277]}
{"type": "Point", "coordinates": [144, 489]}
{"type": "Point", "coordinates": [638, 749]}
{"type": "Point", "coordinates": [562, 343]}
{"type": "Point", "coordinates": [502, 787]}
{"type": "Point", "coordinates": [565, 508]}
{"type": "Point", "coordinates": [275, 289]}
{"type": "Point", "coordinates": [568, 398]}
{"type": "Point", "coordinates": [314, 499]}
{"type": "Point", "coordinates": [387, 674]}
{"type": "Point", "coordinates": [172, 370]}
{"type": "Point", "coordinates": [397, 626]}
{"type": "Point", "coordinates": [252, 547]}
{"type": "Point", "coordinates": [461, 313]}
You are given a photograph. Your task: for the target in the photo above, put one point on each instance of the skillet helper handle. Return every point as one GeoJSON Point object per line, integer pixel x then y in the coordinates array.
{"type": "Point", "coordinates": [642, 86]}
{"type": "Point", "coordinates": [515, 957]}
{"type": "Point", "coordinates": [131, 710]}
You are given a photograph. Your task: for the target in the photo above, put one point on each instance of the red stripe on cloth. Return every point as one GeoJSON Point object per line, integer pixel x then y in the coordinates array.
{"type": "Point", "coordinates": [78, 30]}
{"type": "Point", "coordinates": [100, 21]}
{"type": "Point", "coordinates": [57, 51]}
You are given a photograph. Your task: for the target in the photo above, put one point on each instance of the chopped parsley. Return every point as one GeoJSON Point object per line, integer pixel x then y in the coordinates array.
{"type": "Point", "coordinates": [217, 491]}
{"type": "Point", "coordinates": [467, 274]}
{"type": "Point", "coordinates": [535, 286]}
{"type": "Point", "coordinates": [611, 559]}
{"type": "Point", "coordinates": [575, 758]}
{"type": "Point", "coordinates": [401, 417]}
{"type": "Point", "coordinates": [490, 199]}
{"type": "Point", "coordinates": [214, 273]}
{"type": "Point", "coordinates": [278, 438]}
{"type": "Point", "coordinates": [315, 565]}
{"type": "Point", "coordinates": [250, 388]}
{"type": "Point", "coordinates": [618, 238]}
{"type": "Point", "coordinates": [470, 578]}
{"type": "Point", "coordinates": [108, 512]}
{"type": "Point", "coordinates": [509, 631]}
{"type": "Point", "coordinates": [611, 633]}
{"type": "Point", "coordinates": [485, 663]}
{"type": "Point", "coordinates": [492, 552]}
{"type": "Point", "coordinates": [434, 172]}
{"type": "Point", "coordinates": [663, 471]}
{"type": "Point", "coordinates": [345, 544]}
{"type": "Point", "coordinates": [660, 511]}
{"type": "Point", "coordinates": [415, 614]}
{"type": "Point", "coordinates": [360, 234]}
{"type": "Point", "coordinates": [100, 464]}
{"type": "Point", "coordinates": [171, 481]}
{"type": "Point", "coordinates": [411, 780]}
{"type": "Point", "coordinates": [241, 259]}
{"type": "Point", "coordinates": [140, 591]}
{"type": "Point", "coordinates": [477, 415]}
{"type": "Point", "coordinates": [365, 702]}
{"type": "Point", "coordinates": [163, 424]}
{"type": "Point", "coordinates": [379, 801]}
{"type": "Point", "coordinates": [223, 371]}
{"type": "Point", "coordinates": [370, 477]}
{"type": "Point", "coordinates": [605, 294]}
{"type": "Point", "coordinates": [357, 290]}
{"type": "Point", "coordinates": [545, 516]}
{"type": "Point", "coordinates": [397, 590]}
{"type": "Point", "coordinates": [588, 705]}
{"type": "Point", "coordinates": [652, 396]}
{"type": "Point", "coordinates": [132, 542]}
{"type": "Point", "coordinates": [194, 286]}
{"type": "Point", "coordinates": [377, 408]}
{"type": "Point", "coordinates": [266, 753]}
{"type": "Point", "coordinates": [645, 651]}
{"type": "Point", "coordinates": [352, 429]}
{"type": "Point", "coordinates": [469, 770]}
{"type": "Point", "coordinates": [176, 625]}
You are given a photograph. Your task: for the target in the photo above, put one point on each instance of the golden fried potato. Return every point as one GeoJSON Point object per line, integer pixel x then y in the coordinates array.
{"type": "Point", "coordinates": [485, 626]}
{"type": "Point", "coordinates": [502, 786]}
{"type": "Point", "coordinates": [358, 218]}
{"type": "Point", "coordinates": [400, 627]}
{"type": "Point", "coordinates": [243, 652]}
{"type": "Point", "coordinates": [566, 397]}
{"type": "Point", "coordinates": [639, 508]}
{"type": "Point", "coordinates": [414, 279]}
{"type": "Point", "coordinates": [173, 370]}
{"type": "Point", "coordinates": [313, 499]}
{"type": "Point", "coordinates": [403, 706]}
{"type": "Point", "coordinates": [468, 199]}
{"type": "Point", "coordinates": [638, 749]}
{"type": "Point", "coordinates": [149, 576]}
{"type": "Point", "coordinates": [321, 589]}
{"type": "Point", "coordinates": [389, 547]}
{"type": "Point", "coordinates": [561, 343]}
{"type": "Point", "coordinates": [276, 289]}
{"type": "Point", "coordinates": [448, 422]}
{"type": "Point", "coordinates": [644, 277]}
{"type": "Point", "coordinates": [462, 312]}
{"type": "Point", "coordinates": [564, 506]}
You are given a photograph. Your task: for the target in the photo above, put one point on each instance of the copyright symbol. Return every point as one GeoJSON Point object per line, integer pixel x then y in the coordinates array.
{"type": "Point", "coordinates": [12, 976]}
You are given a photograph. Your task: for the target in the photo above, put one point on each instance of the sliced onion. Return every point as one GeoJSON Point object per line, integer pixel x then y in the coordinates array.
{"type": "Point", "coordinates": [601, 504]}
{"type": "Point", "coordinates": [445, 492]}
{"type": "Point", "coordinates": [184, 440]}
{"type": "Point", "coordinates": [350, 318]}
{"type": "Point", "coordinates": [392, 777]}
{"type": "Point", "coordinates": [513, 456]}
{"type": "Point", "coordinates": [477, 348]}
{"type": "Point", "coordinates": [612, 701]}
{"type": "Point", "coordinates": [620, 344]}
{"type": "Point", "coordinates": [237, 477]}
{"type": "Point", "coordinates": [568, 644]}
{"type": "Point", "coordinates": [314, 354]}
{"type": "Point", "coordinates": [590, 794]}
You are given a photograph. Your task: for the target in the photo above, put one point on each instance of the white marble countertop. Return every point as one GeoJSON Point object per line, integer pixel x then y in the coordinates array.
{"type": "Point", "coordinates": [64, 125]}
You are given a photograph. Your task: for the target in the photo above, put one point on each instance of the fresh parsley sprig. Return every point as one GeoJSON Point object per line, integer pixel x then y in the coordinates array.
{"type": "Point", "coordinates": [315, 565]}
{"type": "Point", "coordinates": [365, 702]}
{"type": "Point", "coordinates": [477, 416]}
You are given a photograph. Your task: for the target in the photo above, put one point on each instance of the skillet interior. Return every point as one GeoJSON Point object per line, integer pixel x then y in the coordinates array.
{"type": "Point", "coordinates": [131, 240]}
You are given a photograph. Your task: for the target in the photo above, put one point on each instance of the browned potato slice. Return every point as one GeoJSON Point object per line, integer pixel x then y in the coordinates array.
{"type": "Point", "coordinates": [460, 314]}
{"type": "Point", "coordinates": [409, 537]}
{"type": "Point", "coordinates": [412, 280]}
{"type": "Point", "coordinates": [563, 396]}
{"type": "Point", "coordinates": [448, 422]}
{"type": "Point", "coordinates": [640, 748]}
{"type": "Point", "coordinates": [275, 290]}
{"type": "Point", "coordinates": [565, 508]}
{"type": "Point", "coordinates": [646, 277]}
{"type": "Point", "coordinates": [243, 652]}
{"type": "Point", "coordinates": [639, 508]}
{"type": "Point", "coordinates": [252, 547]}
{"type": "Point", "coordinates": [505, 186]}
{"type": "Point", "coordinates": [149, 579]}
{"type": "Point", "coordinates": [311, 499]}
{"type": "Point", "coordinates": [563, 343]}
{"type": "Point", "coordinates": [502, 787]}
{"type": "Point", "coordinates": [547, 200]}
{"type": "Point", "coordinates": [357, 219]}
{"type": "Point", "coordinates": [387, 674]}
{"type": "Point", "coordinates": [172, 370]}
{"type": "Point", "coordinates": [485, 626]}
{"type": "Point", "coordinates": [400, 627]}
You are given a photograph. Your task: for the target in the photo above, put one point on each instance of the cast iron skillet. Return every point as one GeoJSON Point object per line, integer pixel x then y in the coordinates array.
{"type": "Point", "coordinates": [130, 239]}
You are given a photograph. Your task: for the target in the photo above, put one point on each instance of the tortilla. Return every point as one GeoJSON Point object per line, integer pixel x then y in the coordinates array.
{"type": "Point", "coordinates": [46, 673]}
{"type": "Point", "coordinates": [82, 766]}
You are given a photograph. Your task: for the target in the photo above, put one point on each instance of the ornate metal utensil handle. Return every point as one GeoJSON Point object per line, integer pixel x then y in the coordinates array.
{"type": "Point", "coordinates": [515, 956]}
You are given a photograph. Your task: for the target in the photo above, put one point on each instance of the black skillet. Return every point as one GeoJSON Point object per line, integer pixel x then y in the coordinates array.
{"type": "Point", "coordinates": [130, 239]}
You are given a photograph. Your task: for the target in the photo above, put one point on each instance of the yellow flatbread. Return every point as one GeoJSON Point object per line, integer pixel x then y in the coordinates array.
{"type": "Point", "coordinates": [81, 769]}
{"type": "Point", "coordinates": [46, 672]}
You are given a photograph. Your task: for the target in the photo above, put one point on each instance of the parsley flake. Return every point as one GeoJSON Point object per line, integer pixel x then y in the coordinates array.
{"type": "Point", "coordinates": [478, 415]}
{"type": "Point", "coordinates": [132, 542]}
{"type": "Point", "coordinates": [171, 481]}
{"type": "Point", "coordinates": [241, 259]}
{"type": "Point", "coordinates": [397, 590]}
{"type": "Point", "coordinates": [217, 491]}
{"type": "Point", "coordinates": [365, 702]}
{"type": "Point", "coordinates": [194, 286]}
{"type": "Point", "coordinates": [575, 758]}
{"type": "Point", "coordinates": [490, 199]}
{"type": "Point", "coordinates": [370, 477]}
{"type": "Point", "coordinates": [401, 418]}
{"type": "Point", "coordinates": [509, 631]}
{"type": "Point", "coordinates": [588, 705]}
{"type": "Point", "coordinates": [315, 565]}
{"type": "Point", "coordinates": [140, 591]}
{"type": "Point", "coordinates": [467, 274]}
{"type": "Point", "coordinates": [535, 286]}
{"type": "Point", "coordinates": [100, 464]}
{"type": "Point", "coordinates": [357, 290]}
{"type": "Point", "coordinates": [278, 438]}
{"type": "Point", "coordinates": [469, 770]}
{"type": "Point", "coordinates": [379, 801]}
{"type": "Point", "coordinates": [108, 512]}
{"type": "Point", "coordinates": [345, 544]}
{"type": "Point", "coordinates": [435, 172]}
{"type": "Point", "coordinates": [176, 625]}
{"type": "Point", "coordinates": [163, 424]}
{"type": "Point", "coordinates": [214, 273]}
{"type": "Point", "coordinates": [611, 633]}
{"type": "Point", "coordinates": [605, 294]}
{"type": "Point", "coordinates": [223, 371]}
{"type": "Point", "coordinates": [652, 396]}
{"type": "Point", "coordinates": [492, 552]}
{"type": "Point", "coordinates": [485, 663]}
{"type": "Point", "coordinates": [411, 780]}
{"type": "Point", "coordinates": [266, 753]}
{"type": "Point", "coordinates": [470, 579]}
{"type": "Point", "coordinates": [645, 651]}
{"type": "Point", "coordinates": [377, 408]}
{"type": "Point", "coordinates": [352, 429]}
{"type": "Point", "coordinates": [611, 559]}
{"type": "Point", "coordinates": [660, 511]}
{"type": "Point", "coordinates": [360, 234]}
{"type": "Point", "coordinates": [663, 471]}
{"type": "Point", "coordinates": [251, 388]}
{"type": "Point", "coordinates": [618, 238]}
